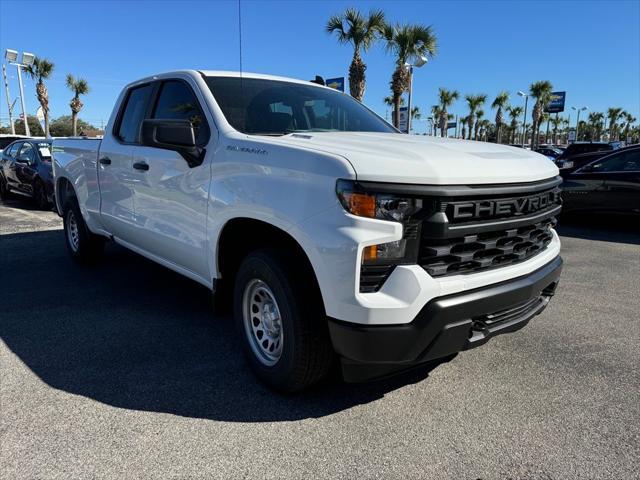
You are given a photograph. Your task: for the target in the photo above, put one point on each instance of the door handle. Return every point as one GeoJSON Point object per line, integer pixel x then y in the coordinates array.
{"type": "Point", "coordinates": [141, 166]}
{"type": "Point", "coordinates": [105, 161]}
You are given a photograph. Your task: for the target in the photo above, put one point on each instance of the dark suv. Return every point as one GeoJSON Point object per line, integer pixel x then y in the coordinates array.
{"type": "Point", "coordinates": [609, 184]}
{"type": "Point", "coordinates": [579, 154]}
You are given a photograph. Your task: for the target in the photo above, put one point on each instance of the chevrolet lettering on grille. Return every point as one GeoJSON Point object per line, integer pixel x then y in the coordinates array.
{"type": "Point", "coordinates": [507, 207]}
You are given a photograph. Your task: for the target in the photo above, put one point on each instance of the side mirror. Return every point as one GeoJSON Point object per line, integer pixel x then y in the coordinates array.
{"type": "Point", "coordinates": [176, 135]}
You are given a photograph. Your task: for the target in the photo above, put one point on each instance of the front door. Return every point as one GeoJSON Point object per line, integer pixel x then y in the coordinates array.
{"type": "Point", "coordinates": [170, 197]}
{"type": "Point", "coordinates": [116, 175]}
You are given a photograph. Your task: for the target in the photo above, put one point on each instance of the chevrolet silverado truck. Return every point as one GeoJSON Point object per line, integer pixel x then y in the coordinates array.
{"type": "Point", "coordinates": [335, 236]}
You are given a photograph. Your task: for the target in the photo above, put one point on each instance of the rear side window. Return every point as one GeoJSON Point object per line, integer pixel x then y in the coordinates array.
{"type": "Point", "coordinates": [178, 102]}
{"type": "Point", "coordinates": [133, 114]}
{"type": "Point", "coordinates": [622, 162]}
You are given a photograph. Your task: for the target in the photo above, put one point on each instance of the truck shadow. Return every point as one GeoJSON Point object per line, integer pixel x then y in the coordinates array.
{"type": "Point", "coordinates": [134, 335]}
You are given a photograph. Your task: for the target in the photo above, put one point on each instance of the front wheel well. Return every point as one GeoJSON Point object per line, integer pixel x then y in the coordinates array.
{"type": "Point", "coordinates": [241, 236]}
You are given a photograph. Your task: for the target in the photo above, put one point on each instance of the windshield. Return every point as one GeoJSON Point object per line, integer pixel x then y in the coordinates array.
{"type": "Point", "coordinates": [273, 107]}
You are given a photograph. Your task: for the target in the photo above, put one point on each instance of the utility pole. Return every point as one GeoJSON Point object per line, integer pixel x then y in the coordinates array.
{"type": "Point", "coordinates": [9, 105]}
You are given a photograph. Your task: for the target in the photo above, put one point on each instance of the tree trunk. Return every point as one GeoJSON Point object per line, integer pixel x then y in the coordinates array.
{"type": "Point", "coordinates": [443, 124]}
{"type": "Point", "coordinates": [76, 105]}
{"type": "Point", "coordinates": [43, 98]}
{"type": "Point", "coordinates": [398, 86]}
{"type": "Point", "coordinates": [357, 76]}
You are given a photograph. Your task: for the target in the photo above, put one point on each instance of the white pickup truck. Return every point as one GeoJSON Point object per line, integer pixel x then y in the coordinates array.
{"type": "Point", "coordinates": [335, 236]}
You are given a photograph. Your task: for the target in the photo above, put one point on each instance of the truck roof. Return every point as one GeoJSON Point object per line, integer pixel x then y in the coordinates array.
{"type": "Point", "coordinates": [224, 73]}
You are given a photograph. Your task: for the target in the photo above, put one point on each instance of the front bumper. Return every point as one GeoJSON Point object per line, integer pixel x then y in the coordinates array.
{"type": "Point", "coordinates": [444, 326]}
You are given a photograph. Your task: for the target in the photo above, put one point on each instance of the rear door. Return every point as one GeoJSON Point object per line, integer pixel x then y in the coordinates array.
{"type": "Point", "coordinates": [584, 190]}
{"type": "Point", "coordinates": [170, 197]}
{"type": "Point", "coordinates": [623, 181]}
{"type": "Point", "coordinates": [115, 170]}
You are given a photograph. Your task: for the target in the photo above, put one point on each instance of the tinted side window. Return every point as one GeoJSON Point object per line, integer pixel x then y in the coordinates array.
{"type": "Point", "coordinates": [178, 102]}
{"type": "Point", "coordinates": [622, 162]}
{"type": "Point", "coordinates": [27, 151]}
{"type": "Point", "coordinates": [13, 150]}
{"type": "Point", "coordinates": [134, 110]}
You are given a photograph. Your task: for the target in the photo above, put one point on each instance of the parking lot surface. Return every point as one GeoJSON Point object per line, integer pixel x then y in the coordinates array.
{"type": "Point", "coordinates": [122, 371]}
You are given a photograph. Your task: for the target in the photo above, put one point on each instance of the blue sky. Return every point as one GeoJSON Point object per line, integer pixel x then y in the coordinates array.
{"type": "Point", "coordinates": [591, 49]}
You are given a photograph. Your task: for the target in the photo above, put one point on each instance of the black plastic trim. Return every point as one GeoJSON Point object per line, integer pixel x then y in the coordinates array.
{"type": "Point", "coordinates": [444, 326]}
{"type": "Point", "coordinates": [457, 190]}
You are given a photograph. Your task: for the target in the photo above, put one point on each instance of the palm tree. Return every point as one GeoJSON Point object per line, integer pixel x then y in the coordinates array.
{"type": "Point", "coordinates": [407, 42]}
{"type": "Point", "coordinates": [436, 112]}
{"type": "Point", "coordinates": [447, 97]}
{"type": "Point", "coordinates": [40, 70]}
{"type": "Point", "coordinates": [479, 115]}
{"type": "Point", "coordinates": [500, 103]}
{"type": "Point", "coordinates": [463, 121]}
{"type": "Point", "coordinates": [541, 91]}
{"type": "Point", "coordinates": [361, 31]}
{"type": "Point", "coordinates": [474, 102]}
{"type": "Point", "coordinates": [514, 114]}
{"type": "Point", "coordinates": [556, 122]}
{"type": "Point", "coordinates": [613, 114]}
{"type": "Point", "coordinates": [416, 114]}
{"type": "Point", "coordinates": [78, 86]}
{"type": "Point", "coordinates": [595, 125]}
{"type": "Point", "coordinates": [630, 120]}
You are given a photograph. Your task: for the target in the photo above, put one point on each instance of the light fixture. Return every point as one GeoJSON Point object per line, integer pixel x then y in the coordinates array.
{"type": "Point", "coordinates": [421, 61]}
{"type": "Point", "coordinates": [10, 55]}
{"type": "Point", "coordinates": [28, 59]}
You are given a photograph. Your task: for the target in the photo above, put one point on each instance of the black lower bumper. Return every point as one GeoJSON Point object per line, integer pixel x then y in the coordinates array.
{"type": "Point", "coordinates": [445, 326]}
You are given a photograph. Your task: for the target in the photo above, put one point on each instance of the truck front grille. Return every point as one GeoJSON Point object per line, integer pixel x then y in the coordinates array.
{"type": "Point", "coordinates": [477, 252]}
{"type": "Point", "coordinates": [469, 229]}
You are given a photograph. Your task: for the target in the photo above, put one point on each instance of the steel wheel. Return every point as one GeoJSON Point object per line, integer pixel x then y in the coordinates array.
{"type": "Point", "coordinates": [73, 234]}
{"type": "Point", "coordinates": [262, 322]}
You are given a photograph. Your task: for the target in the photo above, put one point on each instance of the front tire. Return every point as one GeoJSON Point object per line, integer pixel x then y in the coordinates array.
{"type": "Point", "coordinates": [280, 321]}
{"type": "Point", "coordinates": [83, 246]}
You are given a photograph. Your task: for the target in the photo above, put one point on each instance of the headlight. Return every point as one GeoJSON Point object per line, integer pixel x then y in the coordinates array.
{"type": "Point", "coordinates": [384, 206]}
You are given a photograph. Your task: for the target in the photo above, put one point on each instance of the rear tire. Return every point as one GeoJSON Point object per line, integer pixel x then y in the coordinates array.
{"type": "Point", "coordinates": [280, 320]}
{"type": "Point", "coordinates": [83, 246]}
{"type": "Point", "coordinates": [4, 189]}
{"type": "Point", "coordinates": [40, 195]}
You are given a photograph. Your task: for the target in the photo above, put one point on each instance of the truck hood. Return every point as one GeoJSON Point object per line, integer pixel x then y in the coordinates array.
{"type": "Point", "coordinates": [398, 158]}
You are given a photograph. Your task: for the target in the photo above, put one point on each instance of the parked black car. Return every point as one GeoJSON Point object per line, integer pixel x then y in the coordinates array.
{"type": "Point", "coordinates": [579, 154]}
{"type": "Point", "coordinates": [610, 184]}
{"type": "Point", "coordinates": [25, 169]}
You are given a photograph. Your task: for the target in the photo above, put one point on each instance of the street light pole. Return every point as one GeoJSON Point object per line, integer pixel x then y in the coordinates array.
{"type": "Point", "coordinates": [409, 102]}
{"type": "Point", "coordinates": [27, 59]}
{"type": "Point", "coordinates": [420, 62]}
{"type": "Point", "coordinates": [524, 119]}
{"type": "Point", "coordinates": [24, 107]}
{"type": "Point", "coordinates": [10, 107]}
{"type": "Point", "coordinates": [578, 119]}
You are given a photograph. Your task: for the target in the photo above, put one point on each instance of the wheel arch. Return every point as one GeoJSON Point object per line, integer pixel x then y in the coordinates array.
{"type": "Point", "coordinates": [63, 191]}
{"type": "Point", "coordinates": [241, 235]}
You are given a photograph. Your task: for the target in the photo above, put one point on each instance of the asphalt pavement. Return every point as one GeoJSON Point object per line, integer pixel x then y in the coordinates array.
{"type": "Point", "coordinates": [122, 371]}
